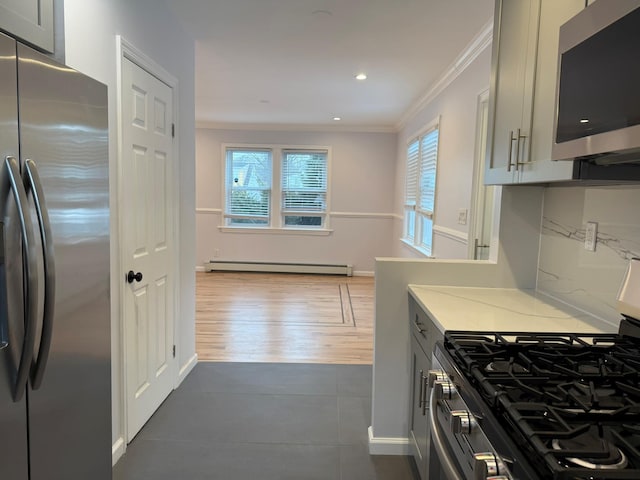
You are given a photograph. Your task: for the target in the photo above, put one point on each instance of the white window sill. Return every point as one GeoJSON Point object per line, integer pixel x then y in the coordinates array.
{"type": "Point", "coordinates": [277, 231]}
{"type": "Point", "coordinates": [419, 250]}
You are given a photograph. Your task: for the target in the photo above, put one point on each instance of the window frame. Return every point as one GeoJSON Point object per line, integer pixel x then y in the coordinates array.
{"type": "Point", "coordinates": [276, 224]}
{"type": "Point", "coordinates": [227, 216]}
{"type": "Point", "coordinates": [292, 212]}
{"type": "Point", "coordinates": [418, 220]}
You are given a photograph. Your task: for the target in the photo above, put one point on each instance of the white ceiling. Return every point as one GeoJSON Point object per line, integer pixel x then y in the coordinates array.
{"type": "Point", "coordinates": [293, 62]}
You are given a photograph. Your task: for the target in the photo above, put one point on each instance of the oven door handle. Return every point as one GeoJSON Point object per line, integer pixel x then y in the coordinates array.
{"type": "Point", "coordinates": [446, 462]}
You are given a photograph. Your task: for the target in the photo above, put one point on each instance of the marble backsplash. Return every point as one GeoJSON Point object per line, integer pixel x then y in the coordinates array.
{"type": "Point", "coordinates": [585, 279]}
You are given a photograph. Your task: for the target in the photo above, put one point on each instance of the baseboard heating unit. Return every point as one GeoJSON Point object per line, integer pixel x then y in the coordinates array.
{"type": "Point", "coordinates": [334, 269]}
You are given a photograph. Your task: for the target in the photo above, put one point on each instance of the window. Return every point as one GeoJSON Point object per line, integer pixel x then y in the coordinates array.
{"type": "Point", "coordinates": [420, 189]}
{"type": "Point", "coordinates": [248, 187]}
{"type": "Point", "coordinates": [276, 187]}
{"type": "Point", "coordinates": [304, 187]}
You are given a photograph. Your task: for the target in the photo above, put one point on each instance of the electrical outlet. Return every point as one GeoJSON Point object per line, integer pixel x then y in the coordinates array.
{"type": "Point", "coordinates": [590, 236]}
{"type": "Point", "coordinates": [462, 216]}
{"type": "Point", "coordinates": [216, 252]}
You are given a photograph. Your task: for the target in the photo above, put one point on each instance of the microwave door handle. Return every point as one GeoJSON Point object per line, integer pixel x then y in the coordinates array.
{"type": "Point", "coordinates": [437, 440]}
{"type": "Point", "coordinates": [4, 314]}
{"type": "Point", "coordinates": [35, 187]}
{"type": "Point", "coordinates": [30, 272]}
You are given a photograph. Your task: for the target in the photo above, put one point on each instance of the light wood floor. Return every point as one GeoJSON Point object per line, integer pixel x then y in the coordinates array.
{"type": "Point", "coordinates": [261, 317]}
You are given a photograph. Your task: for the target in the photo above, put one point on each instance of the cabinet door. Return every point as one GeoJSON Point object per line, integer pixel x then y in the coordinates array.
{"type": "Point", "coordinates": [418, 425]}
{"type": "Point", "coordinates": [29, 20]}
{"type": "Point", "coordinates": [540, 168]}
{"type": "Point", "coordinates": [512, 76]}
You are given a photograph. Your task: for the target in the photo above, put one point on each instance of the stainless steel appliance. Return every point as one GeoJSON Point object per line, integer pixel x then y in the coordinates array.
{"type": "Point", "coordinates": [55, 374]}
{"type": "Point", "coordinates": [597, 96]}
{"type": "Point", "coordinates": [539, 405]}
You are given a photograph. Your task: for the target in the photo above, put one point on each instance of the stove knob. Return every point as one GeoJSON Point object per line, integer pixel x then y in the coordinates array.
{"type": "Point", "coordinates": [436, 375]}
{"type": "Point", "coordinates": [485, 466]}
{"type": "Point", "coordinates": [444, 389]}
{"type": "Point", "coordinates": [461, 421]}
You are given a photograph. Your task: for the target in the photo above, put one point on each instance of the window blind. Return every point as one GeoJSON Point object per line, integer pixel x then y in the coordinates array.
{"type": "Point", "coordinates": [420, 189]}
{"type": "Point", "coordinates": [304, 181]}
{"type": "Point", "coordinates": [411, 184]}
{"type": "Point", "coordinates": [428, 164]}
{"type": "Point", "coordinates": [248, 185]}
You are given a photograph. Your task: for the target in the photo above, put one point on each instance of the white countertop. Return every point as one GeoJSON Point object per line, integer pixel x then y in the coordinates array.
{"type": "Point", "coordinates": [502, 309]}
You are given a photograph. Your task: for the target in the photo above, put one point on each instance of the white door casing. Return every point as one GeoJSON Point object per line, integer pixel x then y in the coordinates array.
{"type": "Point", "coordinates": [147, 242]}
{"type": "Point", "coordinates": [483, 199]}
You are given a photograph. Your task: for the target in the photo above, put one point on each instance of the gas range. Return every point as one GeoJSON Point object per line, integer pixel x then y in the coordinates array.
{"type": "Point", "coordinates": [566, 406]}
{"type": "Point", "coordinates": [531, 406]}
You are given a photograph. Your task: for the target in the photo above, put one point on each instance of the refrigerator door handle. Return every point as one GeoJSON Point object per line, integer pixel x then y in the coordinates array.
{"type": "Point", "coordinates": [31, 272]}
{"type": "Point", "coordinates": [35, 187]}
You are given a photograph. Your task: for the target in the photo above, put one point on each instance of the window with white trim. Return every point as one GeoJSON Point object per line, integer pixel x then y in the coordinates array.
{"type": "Point", "coordinates": [276, 187]}
{"type": "Point", "coordinates": [304, 188]}
{"type": "Point", "coordinates": [248, 174]}
{"type": "Point", "coordinates": [420, 189]}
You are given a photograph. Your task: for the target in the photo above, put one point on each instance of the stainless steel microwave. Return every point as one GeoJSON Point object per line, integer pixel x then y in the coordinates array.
{"type": "Point", "coordinates": [597, 117]}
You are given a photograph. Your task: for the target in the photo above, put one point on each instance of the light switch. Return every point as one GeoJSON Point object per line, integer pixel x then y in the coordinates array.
{"type": "Point", "coordinates": [462, 216]}
{"type": "Point", "coordinates": [590, 236]}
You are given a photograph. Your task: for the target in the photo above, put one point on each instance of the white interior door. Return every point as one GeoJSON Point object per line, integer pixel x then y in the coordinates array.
{"type": "Point", "coordinates": [146, 211]}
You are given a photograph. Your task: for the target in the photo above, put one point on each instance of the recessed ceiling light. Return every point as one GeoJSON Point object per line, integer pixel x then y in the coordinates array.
{"type": "Point", "coordinates": [337, 119]}
{"type": "Point", "coordinates": [361, 76]}
{"type": "Point", "coordinates": [584, 120]}
{"type": "Point", "coordinates": [265, 101]}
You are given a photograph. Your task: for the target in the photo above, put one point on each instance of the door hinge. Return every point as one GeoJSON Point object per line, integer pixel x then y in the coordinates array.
{"type": "Point", "coordinates": [174, 351]}
{"type": "Point", "coordinates": [173, 130]}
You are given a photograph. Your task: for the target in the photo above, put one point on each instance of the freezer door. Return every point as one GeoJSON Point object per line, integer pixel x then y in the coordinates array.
{"type": "Point", "coordinates": [63, 135]}
{"type": "Point", "coordinates": [13, 415]}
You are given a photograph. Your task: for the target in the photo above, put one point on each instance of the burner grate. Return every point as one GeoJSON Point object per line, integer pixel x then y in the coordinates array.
{"type": "Point", "coordinates": [572, 401]}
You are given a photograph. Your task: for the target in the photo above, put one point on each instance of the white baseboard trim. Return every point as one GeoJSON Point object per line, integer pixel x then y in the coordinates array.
{"type": "Point", "coordinates": [279, 267]}
{"type": "Point", "coordinates": [363, 273]}
{"type": "Point", "coordinates": [356, 273]}
{"type": "Point", "coordinates": [186, 368]}
{"type": "Point", "coordinates": [387, 445]}
{"type": "Point", "coordinates": [117, 450]}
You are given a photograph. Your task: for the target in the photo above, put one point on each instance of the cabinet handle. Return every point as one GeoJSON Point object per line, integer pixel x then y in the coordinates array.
{"type": "Point", "coordinates": [421, 396]}
{"type": "Point", "coordinates": [520, 137]}
{"type": "Point", "coordinates": [511, 139]}
{"type": "Point", "coordinates": [418, 326]}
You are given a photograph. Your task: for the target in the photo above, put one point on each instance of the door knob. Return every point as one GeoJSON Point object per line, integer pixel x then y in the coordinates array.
{"type": "Point", "coordinates": [131, 276]}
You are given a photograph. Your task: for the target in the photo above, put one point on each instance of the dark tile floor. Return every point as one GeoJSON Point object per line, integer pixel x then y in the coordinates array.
{"type": "Point", "coordinates": [246, 421]}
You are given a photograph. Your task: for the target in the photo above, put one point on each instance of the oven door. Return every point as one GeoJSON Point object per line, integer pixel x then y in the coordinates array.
{"type": "Point", "coordinates": [459, 448]}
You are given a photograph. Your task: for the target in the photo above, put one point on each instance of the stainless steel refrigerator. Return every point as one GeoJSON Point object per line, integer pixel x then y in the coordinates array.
{"type": "Point", "coordinates": [55, 372]}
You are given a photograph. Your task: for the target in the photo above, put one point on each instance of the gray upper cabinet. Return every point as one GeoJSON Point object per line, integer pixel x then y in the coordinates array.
{"type": "Point", "coordinates": [29, 20]}
{"type": "Point", "coordinates": [512, 75]}
{"type": "Point", "coordinates": [540, 168]}
{"type": "Point", "coordinates": [523, 85]}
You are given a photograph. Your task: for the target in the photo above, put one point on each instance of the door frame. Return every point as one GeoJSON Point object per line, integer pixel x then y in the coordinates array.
{"type": "Point", "coordinates": [126, 50]}
{"type": "Point", "coordinates": [478, 187]}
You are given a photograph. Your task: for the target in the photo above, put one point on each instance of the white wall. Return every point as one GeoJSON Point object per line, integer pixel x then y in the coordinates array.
{"type": "Point", "coordinates": [588, 280]}
{"type": "Point", "coordinates": [361, 200]}
{"type": "Point", "coordinates": [456, 105]}
{"type": "Point", "coordinates": [91, 27]}
{"type": "Point", "coordinates": [519, 234]}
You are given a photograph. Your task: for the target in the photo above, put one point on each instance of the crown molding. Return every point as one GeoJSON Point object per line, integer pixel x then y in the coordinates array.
{"type": "Point", "coordinates": [478, 44]}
